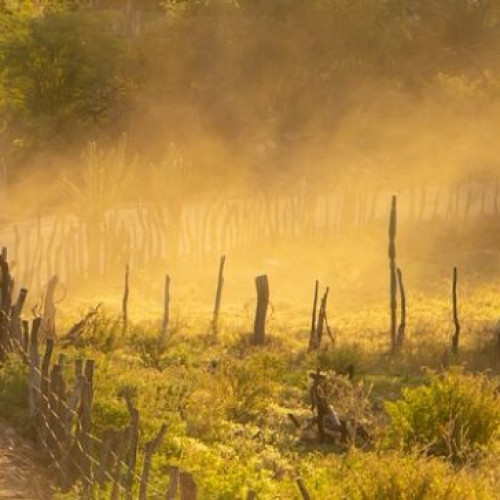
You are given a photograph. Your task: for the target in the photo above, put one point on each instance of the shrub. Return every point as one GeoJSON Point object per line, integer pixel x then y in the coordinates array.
{"type": "Point", "coordinates": [395, 476]}
{"type": "Point", "coordinates": [455, 416]}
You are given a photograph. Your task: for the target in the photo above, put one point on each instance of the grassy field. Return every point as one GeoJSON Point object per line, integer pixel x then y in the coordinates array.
{"type": "Point", "coordinates": [433, 418]}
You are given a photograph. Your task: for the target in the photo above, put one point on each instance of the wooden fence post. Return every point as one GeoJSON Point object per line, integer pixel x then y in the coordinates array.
{"type": "Point", "coordinates": [259, 331]}
{"type": "Point", "coordinates": [402, 325]}
{"type": "Point", "coordinates": [392, 273]}
{"type": "Point", "coordinates": [173, 483]}
{"type": "Point", "coordinates": [218, 295]}
{"type": "Point", "coordinates": [303, 489]}
{"type": "Point", "coordinates": [321, 319]}
{"type": "Point", "coordinates": [132, 438]}
{"type": "Point", "coordinates": [34, 368]}
{"type": "Point", "coordinates": [189, 489]}
{"type": "Point", "coordinates": [151, 448]}
{"type": "Point", "coordinates": [312, 335]}
{"type": "Point", "coordinates": [456, 337]}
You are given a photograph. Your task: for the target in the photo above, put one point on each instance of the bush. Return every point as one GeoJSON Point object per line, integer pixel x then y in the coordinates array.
{"type": "Point", "coordinates": [395, 476]}
{"type": "Point", "coordinates": [455, 416]}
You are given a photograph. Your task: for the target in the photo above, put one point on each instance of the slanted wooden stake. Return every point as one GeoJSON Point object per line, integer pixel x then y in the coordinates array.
{"type": "Point", "coordinates": [303, 489]}
{"type": "Point", "coordinates": [166, 312]}
{"type": "Point", "coordinates": [218, 295]}
{"type": "Point", "coordinates": [393, 274]}
{"type": "Point", "coordinates": [259, 331]}
{"type": "Point", "coordinates": [125, 301]}
{"type": "Point", "coordinates": [456, 337]}
{"type": "Point", "coordinates": [402, 324]}
{"type": "Point", "coordinates": [312, 334]}
{"type": "Point", "coordinates": [321, 319]}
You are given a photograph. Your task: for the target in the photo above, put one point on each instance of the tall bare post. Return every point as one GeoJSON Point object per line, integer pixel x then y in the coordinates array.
{"type": "Point", "coordinates": [312, 335]}
{"type": "Point", "coordinates": [166, 311]}
{"type": "Point", "coordinates": [456, 337]}
{"type": "Point", "coordinates": [393, 273]}
{"type": "Point", "coordinates": [218, 295]}
{"type": "Point", "coordinates": [402, 323]}
{"type": "Point", "coordinates": [259, 331]}
{"type": "Point", "coordinates": [125, 301]}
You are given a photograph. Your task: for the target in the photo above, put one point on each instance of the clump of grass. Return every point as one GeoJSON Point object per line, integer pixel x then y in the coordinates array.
{"type": "Point", "coordinates": [455, 416]}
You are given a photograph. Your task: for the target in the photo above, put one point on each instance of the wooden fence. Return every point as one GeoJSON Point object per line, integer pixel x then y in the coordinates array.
{"type": "Point", "coordinates": [60, 399]}
{"type": "Point", "coordinates": [76, 247]}
{"type": "Point", "coordinates": [60, 408]}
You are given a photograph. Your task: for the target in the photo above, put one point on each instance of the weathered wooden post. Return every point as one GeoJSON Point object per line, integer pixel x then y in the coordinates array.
{"type": "Point", "coordinates": [218, 296]}
{"type": "Point", "coordinates": [312, 334]}
{"type": "Point", "coordinates": [303, 490]}
{"type": "Point", "coordinates": [125, 301]}
{"type": "Point", "coordinates": [34, 368]}
{"type": "Point", "coordinates": [151, 448]}
{"type": "Point", "coordinates": [402, 323]}
{"type": "Point", "coordinates": [456, 337]}
{"type": "Point", "coordinates": [166, 312]}
{"type": "Point", "coordinates": [173, 483]}
{"type": "Point", "coordinates": [189, 489]}
{"type": "Point", "coordinates": [133, 439]}
{"type": "Point", "coordinates": [259, 331]}
{"type": "Point", "coordinates": [321, 319]}
{"type": "Point", "coordinates": [393, 274]}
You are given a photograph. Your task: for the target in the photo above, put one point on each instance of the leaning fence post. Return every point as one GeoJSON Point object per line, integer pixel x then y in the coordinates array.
{"type": "Point", "coordinates": [392, 272]}
{"type": "Point", "coordinates": [303, 489]}
{"type": "Point", "coordinates": [189, 489]}
{"type": "Point", "coordinates": [321, 319]}
{"type": "Point", "coordinates": [259, 331]}
{"type": "Point", "coordinates": [151, 447]}
{"type": "Point", "coordinates": [456, 336]}
{"type": "Point", "coordinates": [312, 334]}
{"type": "Point", "coordinates": [218, 295]}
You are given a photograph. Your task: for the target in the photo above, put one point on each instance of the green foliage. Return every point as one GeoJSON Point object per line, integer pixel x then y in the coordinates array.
{"type": "Point", "coordinates": [14, 394]}
{"type": "Point", "coordinates": [455, 416]}
{"type": "Point", "coordinates": [408, 477]}
{"type": "Point", "coordinates": [61, 73]}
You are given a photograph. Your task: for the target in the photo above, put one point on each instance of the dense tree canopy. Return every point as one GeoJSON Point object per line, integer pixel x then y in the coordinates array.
{"type": "Point", "coordinates": [267, 85]}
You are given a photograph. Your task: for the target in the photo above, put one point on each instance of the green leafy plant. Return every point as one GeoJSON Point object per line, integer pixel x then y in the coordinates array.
{"type": "Point", "coordinates": [455, 416]}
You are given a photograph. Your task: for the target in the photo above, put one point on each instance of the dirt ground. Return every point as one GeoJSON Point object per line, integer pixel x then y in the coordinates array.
{"type": "Point", "coordinates": [21, 474]}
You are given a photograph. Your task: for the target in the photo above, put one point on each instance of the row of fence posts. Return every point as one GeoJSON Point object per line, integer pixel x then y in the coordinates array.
{"type": "Point", "coordinates": [60, 407]}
